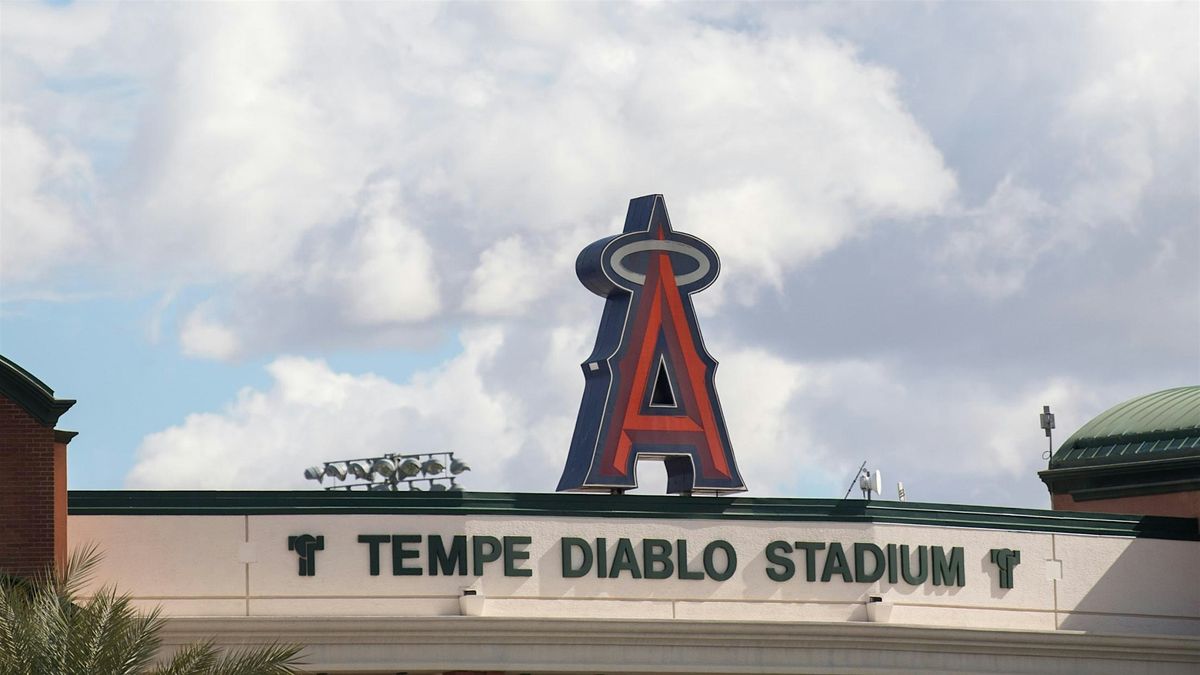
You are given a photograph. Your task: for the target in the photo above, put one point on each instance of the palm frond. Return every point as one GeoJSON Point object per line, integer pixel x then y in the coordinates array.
{"type": "Point", "coordinates": [200, 657]}
{"type": "Point", "coordinates": [77, 572]}
{"type": "Point", "coordinates": [47, 626]}
{"type": "Point", "coordinates": [272, 659]}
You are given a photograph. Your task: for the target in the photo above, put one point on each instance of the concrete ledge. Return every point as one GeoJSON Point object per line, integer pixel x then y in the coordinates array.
{"type": "Point", "coordinates": [369, 644]}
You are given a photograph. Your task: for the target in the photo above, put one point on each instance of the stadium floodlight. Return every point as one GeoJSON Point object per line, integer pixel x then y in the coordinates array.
{"type": "Point", "coordinates": [384, 467]}
{"type": "Point", "coordinates": [418, 472]}
{"type": "Point", "coordinates": [361, 469]}
{"type": "Point", "coordinates": [408, 468]}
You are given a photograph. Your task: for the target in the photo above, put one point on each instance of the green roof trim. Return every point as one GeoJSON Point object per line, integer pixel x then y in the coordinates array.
{"type": "Point", "coordinates": [1149, 475]}
{"type": "Point", "coordinates": [31, 393]}
{"type": "Point", "coordinates": [63, 436]}
{"type": "Point", "coordinates": [526, 505]}
{"type": "Point", "coordinates": [1162, 425]}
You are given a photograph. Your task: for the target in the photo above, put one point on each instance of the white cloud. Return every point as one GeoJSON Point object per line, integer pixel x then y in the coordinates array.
{"type": "Point", "coordinates": [200, 335]}
{"type": "Point", "coordinates": [992, 248]}
{"type": "Point", "coordinates": [757, 390]}
{"type": "Point", "coordinates": [508, 279]}
{"type": "Point", "coordinates": [798, 428]}
{"type": "Point", "coordinates": [803, 428]}
{"type": "Point", "coordinates": [348, 175]}
{"type": "Point", "coordinates": [312, 414]}
{"type": "Point", "coordinates": [1134, 109]}
{"type": "Point", "coordinates": [1123, 122]}
{"type": "Point", "coordinates": [42, 183]}
{"type": "Point", "coordinates": [385, 270]}
{"type": "Point", "coordinates": [255, 147]}
{"type": "Point", "coordinates": [369, 275]}
{"type": "Point", "coordinates": [48, 37]}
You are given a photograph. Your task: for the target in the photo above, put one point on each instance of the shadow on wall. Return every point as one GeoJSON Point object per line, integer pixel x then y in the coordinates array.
{"type": "Point", "coordinates": [1150, 586]}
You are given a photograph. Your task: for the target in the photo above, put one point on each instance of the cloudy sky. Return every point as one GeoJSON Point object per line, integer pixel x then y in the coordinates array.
{"type": "Point", "coordinates": [249, 238]}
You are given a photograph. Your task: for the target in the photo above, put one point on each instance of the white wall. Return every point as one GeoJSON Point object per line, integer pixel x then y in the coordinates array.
{"type": "Point", "coordinates": [241, 566]}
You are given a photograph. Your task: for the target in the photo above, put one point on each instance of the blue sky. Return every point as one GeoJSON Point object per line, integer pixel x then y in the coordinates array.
{"type": "Point", "coordinates": [249, 238]}
{"type": "Point", "coordinates": [127, 383]}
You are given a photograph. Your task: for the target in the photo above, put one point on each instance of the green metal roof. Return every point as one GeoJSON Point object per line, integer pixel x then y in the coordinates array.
{"type": "Point", "coordinates": [641, 507]}
{"type": "Point", "coordinates": [1162, 425]}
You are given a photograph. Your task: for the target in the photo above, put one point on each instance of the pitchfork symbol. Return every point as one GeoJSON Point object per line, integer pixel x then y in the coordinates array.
{"type": "Point", "coordinates": [306, 547]}
{"type": "Point", "coordinates": [1006, 560]}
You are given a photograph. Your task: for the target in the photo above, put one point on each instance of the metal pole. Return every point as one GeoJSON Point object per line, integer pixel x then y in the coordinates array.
{"type": "Point", "coordinates": [855, 479]}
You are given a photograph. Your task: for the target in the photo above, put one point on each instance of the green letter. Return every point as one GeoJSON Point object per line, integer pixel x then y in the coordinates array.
{"type": "Point", "coordinates": [374, 540]}
{"type": "Point", "coordinates": [457, 556]}
{"type": "Point", "coordinates": [860, 563]}
{"type": "Point", "coordinates": [601, 557]}
{"type": "Point", "coordinates": [512, 555]}
{"type": "Point", "coordinates": [773, 557]}
{"type": "Point", "coordinates": [922, 565]}
{"type": "Point", "coordinates": [400, 554]}
{"type": "Point", "coordinates": [730, 560]}
{"type": "Point", "coordinates": [624, 559]}
{"type": "Point", "coordinates": [681, 552]}
{"type": "Point", "coordinates": [835, 561]}
{"type": "Point", "coordinates": [948, 572]}
{"type": "Point", "coordinates": [657, 551]}
{"type": "Point", "coordinates": [810, 549]}
{"type": "Point", "coordinates": [568, 571]}
{"type": "Point", "coordinates": [892, 563]}
{"type": "Point", "coordinates": [479, 556]}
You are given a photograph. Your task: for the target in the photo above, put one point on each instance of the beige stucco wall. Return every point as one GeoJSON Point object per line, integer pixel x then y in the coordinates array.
{"type": "Point", "coordinates": [213, 566]}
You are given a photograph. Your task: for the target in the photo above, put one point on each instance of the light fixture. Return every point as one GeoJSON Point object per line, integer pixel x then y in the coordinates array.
{"type": "Point", "coordinates": [432, 471]}
{"type": "Point", "coordinates": [384, 467]}
{"type": "Point", "coordinates": [361, 470]}
{"type": "Point", "coordinates": [408, 468]}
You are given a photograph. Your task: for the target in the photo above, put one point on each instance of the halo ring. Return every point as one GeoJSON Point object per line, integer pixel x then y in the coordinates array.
{"type": "Point", "coordinates": [703, 264]}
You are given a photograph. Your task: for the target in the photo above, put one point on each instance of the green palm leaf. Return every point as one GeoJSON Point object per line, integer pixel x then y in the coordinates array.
{"type": "Point", "coordinates": [48, 626]}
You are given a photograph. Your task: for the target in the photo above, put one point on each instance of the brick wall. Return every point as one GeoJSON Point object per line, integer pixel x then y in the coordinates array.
{"type": "Point", "coordinates": [32, 482]}
{"type": "Point", "coordinates": [1181, 504]}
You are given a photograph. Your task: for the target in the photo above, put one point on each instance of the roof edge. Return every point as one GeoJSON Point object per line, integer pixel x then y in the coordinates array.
{"type": "Point", "coordinates": [1138, 437]}
{"type": "Point", "coordinates": [320, 502]}
{"type": "Point", "coordinates": [1151, 404]}
{"type": "Point", "coordinates": [31, 393]}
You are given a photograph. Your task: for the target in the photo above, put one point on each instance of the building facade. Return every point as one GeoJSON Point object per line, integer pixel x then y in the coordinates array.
{"type": "Point", "coordinates": [608, 582]}
{"type": "Point", "coordinates": [541, 583]}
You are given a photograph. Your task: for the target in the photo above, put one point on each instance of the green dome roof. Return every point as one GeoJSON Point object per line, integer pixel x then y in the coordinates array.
{"type": "Point", "coordinates": [1161, 425]}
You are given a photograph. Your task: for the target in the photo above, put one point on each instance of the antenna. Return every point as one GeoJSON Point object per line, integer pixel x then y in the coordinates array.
{"type": "Point", "coordinates": [855, 479]}
{"type": "Point", "coordinates": [900, 491]}
{"type": "Point", "coordinates": [870, 483]}
{"type": "Point", "coordinates": [1047, 422]}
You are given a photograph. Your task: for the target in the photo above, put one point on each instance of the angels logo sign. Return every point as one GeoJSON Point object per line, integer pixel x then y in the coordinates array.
{"type": "Point", "coordinates": [648, 389]}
